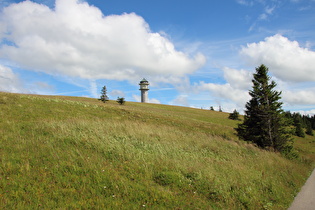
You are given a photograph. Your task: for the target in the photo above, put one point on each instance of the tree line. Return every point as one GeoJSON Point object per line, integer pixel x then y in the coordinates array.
{"type": "Point", "coordinates": [304, 124]}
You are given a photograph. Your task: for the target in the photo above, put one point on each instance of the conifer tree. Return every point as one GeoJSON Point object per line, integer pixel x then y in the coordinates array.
{"type": "Point", "coordinates": [104, 96]}
{"type": "Point", "coordinates": [309, 130]}
{"type": "Point", "coordinates": [264, 122]}
{"type": "Point", "coordinates": [299, 131]}
{"type": "Point", "coordinates": [234, 115]}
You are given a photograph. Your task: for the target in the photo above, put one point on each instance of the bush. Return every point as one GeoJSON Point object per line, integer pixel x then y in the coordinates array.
{"type": "Point", "coordinates": [234, 115]}
{"type": "Point", "coordinates": [121, 100]}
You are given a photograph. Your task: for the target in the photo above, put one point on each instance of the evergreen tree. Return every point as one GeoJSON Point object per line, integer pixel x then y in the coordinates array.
{"type": "Point", "coordinates": [309, 130]}
{"type": "Point", "coordinates": [234, 115]}
{"type": "Point", "coordinates": [313, 122]}
{"type": "Point", "coordinates": [211, 108]}
{"type": "Point", "coordinates": [298, 123]}
{"type": "Point", "coordinates": [264, 122]}
{"type": "Point", "coordinates": [104, 96]}
{"type": "Point", "coordinates": [299, 130]}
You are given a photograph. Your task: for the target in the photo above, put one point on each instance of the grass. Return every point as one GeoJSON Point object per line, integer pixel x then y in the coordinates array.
{"type": "Point", "coordinates": [73, 153]}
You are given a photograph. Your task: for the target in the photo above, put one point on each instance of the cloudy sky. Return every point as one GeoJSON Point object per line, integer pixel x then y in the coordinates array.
{"type": "Point", "coordinates": [194, 53]}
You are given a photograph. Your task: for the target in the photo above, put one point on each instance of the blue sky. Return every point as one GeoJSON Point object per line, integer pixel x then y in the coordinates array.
{"type": "Point", "coordinates": [194, 53]}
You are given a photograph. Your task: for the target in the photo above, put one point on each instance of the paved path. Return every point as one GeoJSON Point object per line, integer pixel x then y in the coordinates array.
{"type": "Point", "coordinates": [305, 200]}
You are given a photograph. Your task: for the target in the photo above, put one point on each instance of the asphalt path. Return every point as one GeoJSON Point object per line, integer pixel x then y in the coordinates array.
{"type": "Point", "coordinates": [305, 199]}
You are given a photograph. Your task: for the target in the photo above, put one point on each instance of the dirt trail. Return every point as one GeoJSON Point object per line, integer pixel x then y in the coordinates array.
{"type": "Point", "coordinates": [305, 200]}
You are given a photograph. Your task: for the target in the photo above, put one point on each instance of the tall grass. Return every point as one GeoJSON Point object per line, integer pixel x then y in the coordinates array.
{"type": "Point", "coordinates": [67, 152]}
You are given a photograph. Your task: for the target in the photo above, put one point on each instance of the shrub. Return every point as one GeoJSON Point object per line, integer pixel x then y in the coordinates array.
{"type": "Point", "coordinates": [121, 100]}
{"type": "Point", "coordinates": [234, 115]}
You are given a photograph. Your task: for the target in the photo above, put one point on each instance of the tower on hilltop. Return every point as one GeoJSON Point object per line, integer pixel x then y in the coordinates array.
{"type": "Point", "coordinates": [144, 87]}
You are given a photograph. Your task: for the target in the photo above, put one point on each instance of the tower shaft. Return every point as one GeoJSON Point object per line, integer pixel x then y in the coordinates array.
{"type": "Point", "coordinates": [144, 96]}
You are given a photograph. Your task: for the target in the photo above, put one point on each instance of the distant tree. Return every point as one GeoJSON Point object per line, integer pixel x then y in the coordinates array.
{"type": "Point", "coordinates": [299, 130]}
{"type": "Point", "coordinates": [104, 96]}
{"type": "Point", "coordinates": [309, 130]}
{"type": "Point", "coordinates": [312, 119]}
{"type": "Point", "coordinates": [234, 115]}
{"type": "Point", "coordinates": [211, 108]}
{"type": "Point", "coordinates": [121, 100]}
{"type": "Point", "coordinates": [220, 109]}
{"type": "Point", "coordinates": [298, 123]}
{"type": "Point", "coordinates": [264, 122]}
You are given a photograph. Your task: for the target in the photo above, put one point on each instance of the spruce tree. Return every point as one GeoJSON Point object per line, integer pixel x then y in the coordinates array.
{"type": "Point", "coordinates": [299, 131]}
{"type": "Point", "coordinates": [309, 130]}
{"type": "Point", "coordinates": [264, 122]}
{"type": "Point", "coordinates": [104, 96]}
{"type": "Point", "coordinates": [298, 123]}
{"type": "Point", "coordinates": [234, 115]}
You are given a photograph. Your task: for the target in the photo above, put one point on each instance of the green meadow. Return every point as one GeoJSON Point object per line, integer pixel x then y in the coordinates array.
{"type": "Point", "coordinates": [79, 153]}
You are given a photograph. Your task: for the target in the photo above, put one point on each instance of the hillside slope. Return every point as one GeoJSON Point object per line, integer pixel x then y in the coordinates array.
{"type": "Point", "coordinates": [70, 152]}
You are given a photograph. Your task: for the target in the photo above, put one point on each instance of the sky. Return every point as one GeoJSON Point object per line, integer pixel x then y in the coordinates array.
{"type": "Point", "coordinates": [193, 53]}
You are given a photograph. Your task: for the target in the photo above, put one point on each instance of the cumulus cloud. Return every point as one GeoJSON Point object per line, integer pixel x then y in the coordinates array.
{"type": "Point", "coordinates": [10, 82]}
{"type": "Point", "coordinates": [286, 59]}
{"type": "Point", "coordinates": [225, 92]}
{"type": "Point", "coordinates": [239, 79]}
{"type": "Point", "coordinates": [181, 100]}
{"type": "Point", "coordinates": [76, 39]}
{"type": "Point", "coordinates": [234, 91]}
{"type": "Point", "coordinates": [154, 101]}
{"type": "Point", "coordinates": [117, 93]}
{"type": "Point", "coordinates": [299, 97]}
{"type": "Point", "coordinates": [308, 112]}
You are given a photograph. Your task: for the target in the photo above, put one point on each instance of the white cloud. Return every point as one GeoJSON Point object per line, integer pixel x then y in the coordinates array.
{"type": "Point", "coordinates": [76, 39]}
{"type": "Point", "coordinates": [154, 101]}
{"type": "Point", "coordinates": [137, 98]}
{"type": "Point", "coordinates": [268, 11]}
{"type": "Point", "coordinates": [285, 59]}
{"type": "Point", "coordinates": [10, 82]}
{"type": "Point", "coordinates": [181, 100]}
{"type": "Point", "coordinates": [263, 16]}
{"type": "Point", "coordinates": [117, 93]}
{"type": "Point", "coordinates": [299, 97]}
{"type": "Point", "coordinates": [93, 89]}
{"type": "Point", "coordinates": [42, 88]}
{"type": "Point", "coordinates": [308, 112]}
{"type": "Point", "coordinates": [225, 92]}
{"type": "Point", "coordinates": [234, 91]}
{"type": "Point", "coordinates": [244, 2]}
{"type": "Point", "coordinates": [239, 79]}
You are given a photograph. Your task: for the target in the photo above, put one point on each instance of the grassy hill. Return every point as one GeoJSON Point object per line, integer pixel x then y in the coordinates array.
{"type": "Point", "coordinates": [70, 152]}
